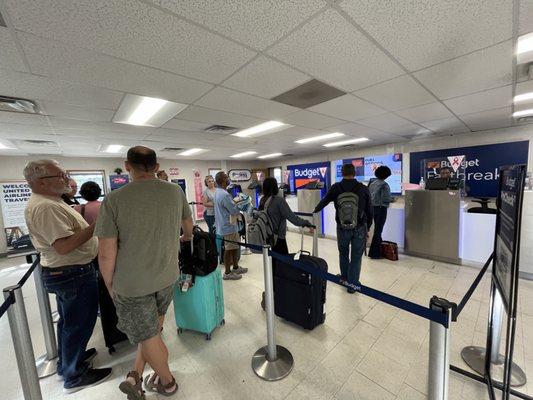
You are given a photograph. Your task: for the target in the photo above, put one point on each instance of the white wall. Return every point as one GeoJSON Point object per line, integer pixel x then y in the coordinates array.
{"type": "Point", "coordinates": [11, 169]}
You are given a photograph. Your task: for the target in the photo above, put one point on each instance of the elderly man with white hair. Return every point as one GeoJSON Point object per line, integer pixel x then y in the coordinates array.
{"type": "Point", "coordinates": [67, 248]}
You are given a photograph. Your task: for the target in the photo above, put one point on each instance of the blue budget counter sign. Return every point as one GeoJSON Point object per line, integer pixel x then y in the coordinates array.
{"type": "Point", "coordinates": [480, 164]}
{"type": "Point", "coordinates": [302, 174]}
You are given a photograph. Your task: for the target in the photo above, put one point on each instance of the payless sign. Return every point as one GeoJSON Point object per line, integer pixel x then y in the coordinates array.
{"type": "Point", "coordinates": [480, 164]}
{"type": "Point", "coordinates": [303, 174]}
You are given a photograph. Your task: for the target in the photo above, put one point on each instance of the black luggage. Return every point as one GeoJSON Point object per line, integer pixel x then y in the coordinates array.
{"type": "Point", "coordinates": [204, 258]}
{"type": "Point", "coordinates": [299, 296]}
{"type": "Point", "coordinates": [108, 317]}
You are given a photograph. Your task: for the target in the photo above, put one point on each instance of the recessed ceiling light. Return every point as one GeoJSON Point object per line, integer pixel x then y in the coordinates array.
{"type": "Point", "coordinates": [523, 97]}
{"type": "Point", "coordinates": [244, 154]}
{"type": "Point", "coordinates": [343, 142]}
{"type": "Point", "coordinates": [113, 148]}
{"type": "Point", "coordinates": [272, 155]}
{"type": "Point", "coordinates": [146, 111]}
{"type": "Point", "coordinates": [319, 138]}
{"type": "Point", "coordinates": [190, 152]}
{"type": "Point", "coordinates": [523, 113]}
{"type": "Point", "coordinates": [264, 127]}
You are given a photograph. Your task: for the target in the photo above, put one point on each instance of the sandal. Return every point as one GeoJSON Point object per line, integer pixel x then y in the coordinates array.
{"type": "Point", "coordinates": [153, 384]}
{"type": "Point", "coordinates": [134, 392]}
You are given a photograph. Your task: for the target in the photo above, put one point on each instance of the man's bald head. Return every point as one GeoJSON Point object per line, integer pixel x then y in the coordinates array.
{"type": "Point", "coordinates": [142, 158]}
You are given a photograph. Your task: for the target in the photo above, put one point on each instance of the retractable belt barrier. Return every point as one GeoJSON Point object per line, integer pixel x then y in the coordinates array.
{"type": "Point", "coordinates": [414, 308]}
{"type": "Point", "coordinates": [304, 214]}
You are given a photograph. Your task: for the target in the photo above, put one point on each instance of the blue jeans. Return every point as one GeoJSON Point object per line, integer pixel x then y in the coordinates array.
{"type": "Point", "coordinates": [210, 221]}
{"type": "Point", "coordinates": [76, 290]}
{"type": "Point", "coordinates": [350, 260]}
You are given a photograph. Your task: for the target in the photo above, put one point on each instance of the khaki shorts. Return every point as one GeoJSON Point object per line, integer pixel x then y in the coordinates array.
{"type": "Point", "coordinates": [138, 317]}
{"type": "Point", "coordinates": [234, 237]}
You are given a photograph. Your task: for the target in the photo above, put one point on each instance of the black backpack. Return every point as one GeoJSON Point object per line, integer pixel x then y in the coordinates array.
{"type": "Point", "coordinates": [204, 257]}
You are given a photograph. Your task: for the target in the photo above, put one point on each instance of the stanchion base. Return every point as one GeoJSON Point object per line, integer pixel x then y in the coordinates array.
{"type": "Point", "coordinates": [474, 357]}
{"type": "Point", "coordinates": [46, 367]}
{"type": "Point", "coordinates": [55, 317]}
{"type": "Point", "coordinates": [272, 370]}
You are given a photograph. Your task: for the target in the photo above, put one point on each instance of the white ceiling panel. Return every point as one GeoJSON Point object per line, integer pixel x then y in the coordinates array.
{"type": "Point", "coordinates": [451, 124]}
{"type": "Point", "coordinates": [134, 31]}
{"type": "Point", "coordinates": [491, 119]}
{"type": "Point", "coordinates": [396, 94]}
{"type": "Point", "coordinates": [484, 69]}
{"type": "Point", "coordinates": [332, 50]}
{"type": "Point", "coordinates": [356, 130]}
{"type": "Point", "coordinates": [14, 131]}
{"type": "Point", "coordinates": [423, 33]}
{"type": "Point", "coordinates": [526, 17]}
{"type": "Point", "coordinates": [10, 57]}
{"type": "Point", "coordinates": [217, 117]}
{"type": "Point", "coordinates": [266, 78]}
{"type": "Point", "coordinates": [410, 130]}
{"type": "Point", "coordinates": [236, 102]}
{"type": "Point", "coordinates": [482, 101]}
{"type": "Point", "coordinates": [23, 118]}
{"type": "Point", "coordinates": [61, 110]}
{"type": "Point", "coordinates": [61, 61]}
{"type": "Point", "coordinates": [427, 112]}
{"type": "Point", "coordinates": [255, 23]}
{"type": "Point", "coordinates": [183, 125]}
{"type": "Point", "coordinates": [348, 108]}
{"type": "Point", "coordinates": [310, 119]}
{"type": "Point", "coordinates": [33, 87]}
{"type": "Point", "coordinates": [60, 123]}
{"type": "Point", "coordinates": [114, 136]}
{"type": "Point", "coordinates": [385, 122]}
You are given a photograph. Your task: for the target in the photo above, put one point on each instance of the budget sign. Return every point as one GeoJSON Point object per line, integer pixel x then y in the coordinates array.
{"type": "Point", "coordinates": [304, 173]}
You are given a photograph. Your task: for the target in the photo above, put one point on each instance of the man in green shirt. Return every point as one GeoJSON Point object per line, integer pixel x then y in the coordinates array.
{"type": "Point", "coordinates": [138, 227]}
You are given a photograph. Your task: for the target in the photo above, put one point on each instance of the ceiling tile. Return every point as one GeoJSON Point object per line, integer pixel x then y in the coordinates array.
{"type": "Point", "coordinates": [61, 61]}
{"type": "Point", "coordinates": [23, 118]}
{"type": "Point", "coordinates": [398, 93]}
{"type": "Point", "coordinates": [450, 124]}
{"type": "Point", "coordinates": [60, 124]}
{"type": "Point", "coordinates": [491, 119]}
{"type": "Point", "coordinates": [310, 119]}
{"type": "Point", "coordinates": [255, 23]}
{"type": "Point", "coordinates": [410, 130]}
{"type": "Point", "coordinates": [487, 100]}
{"type": "Point", "coordinates": [231, 101]}
{"type": "Point", "coordinates": [16, 130]}
{"type": "Point", "coordinates": [217, 117]}
{"type": "Point", "coordinates": [484, 69]}
{"type": "Point", "coordinates": [347, 107]}
{"type": "Point", "coordinates": [134, 31]}
{"type": "Point", "coordinates": [183, 125]}
{"type": "Point", "coordinates": [10, 57]}
{"type": "Point", "coordinates": [331, 50]}
{"type": "Point", "coordinates": [74, 112]}
{"type": "Point", "coordinates": [526, 17]}
{"type": "Point", "coordinates": [385, 122]}
{"type": "Point", "coordinates": [18, 84]}
{"type": "Point", "coordinates": [267, 78]}
{"type": "Point", "coordinates": [423, 33]}
{"type": "Point", "coordinates": [427, 112]}
{"type": "Point", "coordinates": [356, 130]}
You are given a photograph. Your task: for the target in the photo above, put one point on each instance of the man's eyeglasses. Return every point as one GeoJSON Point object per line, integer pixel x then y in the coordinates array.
{"type": "Point", "coordinates": [62, 175]}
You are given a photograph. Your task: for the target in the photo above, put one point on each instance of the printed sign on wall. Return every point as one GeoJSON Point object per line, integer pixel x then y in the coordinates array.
{"type": "Point", "coordinates": [303, 174]}
{"type": "Point", "coordinates": [480, 164]}
{"type": "Point", "coordinates": [14, 198]}
{"type": "Point", "coordinates": [239, 175]}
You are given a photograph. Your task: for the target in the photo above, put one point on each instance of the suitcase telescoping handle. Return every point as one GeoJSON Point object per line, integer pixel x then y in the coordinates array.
{"type": "Point", "coordinates": [315, 250]}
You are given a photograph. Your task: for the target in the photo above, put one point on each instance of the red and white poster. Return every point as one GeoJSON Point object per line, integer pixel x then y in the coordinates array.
{"type": "Point", "coordinates": [198, 190]}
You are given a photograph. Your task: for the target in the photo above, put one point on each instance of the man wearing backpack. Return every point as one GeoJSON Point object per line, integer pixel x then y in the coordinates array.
{"type": "Point", "coordinates": [353, 214]}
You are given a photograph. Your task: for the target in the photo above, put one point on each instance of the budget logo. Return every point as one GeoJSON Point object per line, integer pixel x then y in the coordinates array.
{"type": "Point", "coordinates": [323, 171]}
{"type": "Point", "coordinates": [456, 162]}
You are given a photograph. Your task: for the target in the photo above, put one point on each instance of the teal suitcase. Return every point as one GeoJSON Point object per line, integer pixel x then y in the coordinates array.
{"type": "Point", "coordinates": [201, 308]}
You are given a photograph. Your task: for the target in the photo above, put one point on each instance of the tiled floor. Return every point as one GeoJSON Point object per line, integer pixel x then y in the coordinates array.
{"type": "Point", "coordinates": [365, 349]}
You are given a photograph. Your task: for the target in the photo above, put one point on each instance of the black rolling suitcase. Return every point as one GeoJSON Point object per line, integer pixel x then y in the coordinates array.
{"type": "Point", "coordinates": [299, 297]}
{"type": "Point", "coordinates": [108, 317]}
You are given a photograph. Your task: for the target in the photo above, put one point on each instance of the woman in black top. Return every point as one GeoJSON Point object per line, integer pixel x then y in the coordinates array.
{"type": "Point", "coordinates": [279, 212]}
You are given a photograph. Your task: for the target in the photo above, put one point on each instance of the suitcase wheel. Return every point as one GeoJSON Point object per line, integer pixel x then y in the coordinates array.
{"type": "Point", "coordinates": [223, 322]}
{"type": "Point", "coordinates": [111, 349]}
{"type": "Point", "coordinates": [208, 336]}
{"type": "Point", "coordinates": [180, 331]}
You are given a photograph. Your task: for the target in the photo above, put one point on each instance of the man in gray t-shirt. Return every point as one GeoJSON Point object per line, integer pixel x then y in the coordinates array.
{"type": "Point", "coordinates": [138, 227]}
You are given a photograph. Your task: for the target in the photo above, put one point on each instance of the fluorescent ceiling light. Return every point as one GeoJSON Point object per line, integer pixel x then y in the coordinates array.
{"type": "Point", "coordinates": [246, 153]}
{"type": "Point", "coordinates": [113, 148]}
{"type": "Point", "coordinates": [190, 152]}
{"type": "Point", "coordinates": [523, 113]}
{"type": "Point", "coordinates": [272, 155]}
{"type": "Point", "coordinates": [264, 127]}
{"type": "Point", "coordinates": [343, 142]}
{"type": "Point", "coordinates": [525, 44]}
{"type": "Point", "coordinates": [146, 111]}
{"type": "Point", "coordinates": [319, 138]}
{"type": "Point", "coordinates": [5, 146]}
{"type": "Point", "coordinates": [523, 97]}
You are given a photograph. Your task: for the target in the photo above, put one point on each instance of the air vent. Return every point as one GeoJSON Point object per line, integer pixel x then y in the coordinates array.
{"type": "Point", "coordinates": [173, 149]}
{"type": "Point", "coordinates": [309, 94]}
{"type": "Point", "coordinates": [40, 143]}
{"type": "Point", "coordinates": [221, 129]}
{"type": "Point", "coordinates": [18, 105]}
{"type": "Point", "coordinates": [525, 119]}
{"type": "Point", "coordinates": [2, 21]}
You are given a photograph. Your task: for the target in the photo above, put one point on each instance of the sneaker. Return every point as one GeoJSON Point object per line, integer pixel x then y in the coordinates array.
{"type": "Point", "coordinates": [88, 357]}
{"type": "Point", "coordinates": [231, 276]}
{"type": "Point", "coordinates": [91, 378]}
{"type": "Point", "coordinates": [350, 290]}
{"type": "Point", "coordinates": [239, 270]}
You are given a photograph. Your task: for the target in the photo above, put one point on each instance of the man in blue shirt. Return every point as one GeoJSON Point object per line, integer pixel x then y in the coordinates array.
{"type": "Point", "coordinates": [225, 212]}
